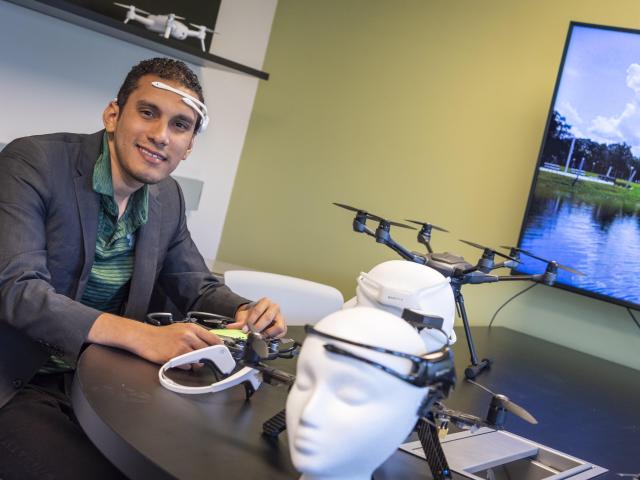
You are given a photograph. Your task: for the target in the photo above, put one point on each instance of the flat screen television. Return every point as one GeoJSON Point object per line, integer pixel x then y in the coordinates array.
{"type": "Point", "coordinates": [584, 205]}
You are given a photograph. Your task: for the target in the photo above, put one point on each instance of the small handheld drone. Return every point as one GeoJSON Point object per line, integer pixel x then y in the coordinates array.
{"type": "Point", "coordinates": [455, 267]}
{"type": "Point", "coordinates": [166, 25]}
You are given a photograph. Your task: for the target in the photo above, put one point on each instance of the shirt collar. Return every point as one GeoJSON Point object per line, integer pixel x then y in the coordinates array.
{"type": "Point", "coordinates": [103, 184]}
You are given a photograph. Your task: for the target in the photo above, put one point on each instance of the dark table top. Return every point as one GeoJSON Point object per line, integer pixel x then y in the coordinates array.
{"type": "Point", "coordinates": [586, 407]}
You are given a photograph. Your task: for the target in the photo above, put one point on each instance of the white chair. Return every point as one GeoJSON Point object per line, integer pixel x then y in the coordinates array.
{"type": "Point", "coordinates": [301, 301]}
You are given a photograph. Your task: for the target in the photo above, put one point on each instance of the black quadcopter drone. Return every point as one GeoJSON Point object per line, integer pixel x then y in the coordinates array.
{"type": "Point", "coordinates": [251, 352]}
{"type": "Point", "coordinates": [456, 268]}
{"type": "Point", "coordinates": [254, 352]}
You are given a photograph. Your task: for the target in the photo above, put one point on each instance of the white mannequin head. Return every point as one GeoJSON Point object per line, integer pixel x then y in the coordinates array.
{"type": "Point", "coordinates": [398, 284]}
{"type": "Point", "coordinates": [345, 417]}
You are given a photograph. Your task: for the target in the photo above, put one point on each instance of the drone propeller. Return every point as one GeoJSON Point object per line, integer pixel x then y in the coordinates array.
{"type": "Point", "coordinates": [482, 247]}
{"type": "Point", "coordinates": [350, 208]}
{"type": "Point", "coordinates": [529, 254]}
{"type": "Point", "coordinates": [501, 402]}
{"type": "Point", "coordinates": [135, 9]}
{"type": "Point", "coordinates": [256, 349]}
{"type": "Point", "coordinates": [424, 235]}
{"type": "Point", "coordinates": [371, 216]}
{"type": "Point", "coordinates": [427, 225]}
{"type": "Point", "coordinates": [389, 222]}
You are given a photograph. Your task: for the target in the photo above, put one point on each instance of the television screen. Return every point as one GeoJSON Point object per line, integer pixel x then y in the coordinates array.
{"type": "Point", "coordinates": [584, 204]}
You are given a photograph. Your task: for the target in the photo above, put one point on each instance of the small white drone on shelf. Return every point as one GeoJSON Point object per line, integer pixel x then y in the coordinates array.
{"type": "Point", "coordinates": [166, 25]}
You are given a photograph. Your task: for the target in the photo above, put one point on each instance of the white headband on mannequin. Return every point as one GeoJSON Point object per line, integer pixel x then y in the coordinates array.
{"type": "Point", "coordinates": [396, 297]}
{"type": "Point", "coordinates": [192, 102]}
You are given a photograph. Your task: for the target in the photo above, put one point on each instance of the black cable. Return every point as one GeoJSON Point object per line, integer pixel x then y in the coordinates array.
{"type": "Point", "coordinates": [633, 317]}
{"type": "Point", "coordinates": [512, 298]}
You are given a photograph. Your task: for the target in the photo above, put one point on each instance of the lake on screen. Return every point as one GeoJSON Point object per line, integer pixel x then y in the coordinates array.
{"type": "Point", "coordinates": [594, 239]}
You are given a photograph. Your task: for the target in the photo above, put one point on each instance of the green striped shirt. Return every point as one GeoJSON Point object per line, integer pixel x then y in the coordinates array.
{"type": "Point", "coordinates": [108, 284]}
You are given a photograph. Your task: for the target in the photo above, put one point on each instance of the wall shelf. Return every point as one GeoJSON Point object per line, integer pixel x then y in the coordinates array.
{"type": "Point", "coordinates": [134, 34]}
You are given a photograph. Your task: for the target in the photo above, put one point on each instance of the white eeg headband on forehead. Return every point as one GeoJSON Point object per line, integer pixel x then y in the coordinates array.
{"type": "Point", "coordinates": [199, 107]}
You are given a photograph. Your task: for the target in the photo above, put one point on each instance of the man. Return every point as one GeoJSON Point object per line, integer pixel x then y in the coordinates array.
{"type": "Point", "coordinates": [91, 224]}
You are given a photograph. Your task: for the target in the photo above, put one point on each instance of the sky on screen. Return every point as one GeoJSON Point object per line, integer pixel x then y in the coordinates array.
{"type": "Point", "coordinates": [599, 91]}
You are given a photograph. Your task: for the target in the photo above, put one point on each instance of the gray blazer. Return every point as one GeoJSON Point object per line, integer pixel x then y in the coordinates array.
{"type": "Point", "coordinates": [48, 227]}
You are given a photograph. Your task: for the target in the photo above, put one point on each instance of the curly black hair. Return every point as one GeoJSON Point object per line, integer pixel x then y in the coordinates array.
{"type": "Point", "coordinates": [165, 68]}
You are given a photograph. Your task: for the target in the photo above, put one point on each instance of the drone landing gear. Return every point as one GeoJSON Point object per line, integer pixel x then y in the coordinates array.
{"type": "Point", "coordinates": [428, 435]}
{"type": "Point", "coordinates": [476, 367]}
{"type": "Point", "coordinates": [472, 371]}
{"type": "Point", "coordinates": [275, 425]}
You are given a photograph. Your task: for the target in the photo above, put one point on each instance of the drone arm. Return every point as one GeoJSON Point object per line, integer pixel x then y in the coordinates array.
{"type": "Point", "coordinates": [469, 270]}
{"type": "Point", "coordinates": [428, 435]}
{"type": "Point", "coordinates": [472, 276]}
{"type": "Point", "coordinates": [425, 241]}
{"type": "Point", "coordinates": [192, 33]}
{"type": "Point", "coordinates": [147, 22]}
{"type": "Point", "coordinates": [515, 278]}
{"type": "Point", "coordinates": [403, 252]}
{"type": "Point", "coordinates": [505, 264]}
{"type": "Point", "coordinates": [476, 277]}
{"type": "Point", "coordinates": [359, 226]}
{"type": "Point", "coordinates": [169, 25]}
{"type": "Point", "coordinates": [368, 231]}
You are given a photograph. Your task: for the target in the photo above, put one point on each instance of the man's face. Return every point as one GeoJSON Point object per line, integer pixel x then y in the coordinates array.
{"type": "Point", "coordinates": [150, 135]}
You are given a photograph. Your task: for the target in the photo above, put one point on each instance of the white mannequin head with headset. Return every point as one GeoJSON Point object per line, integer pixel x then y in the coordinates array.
{"type": "Point", "coordinates": [345, 415]}
{"type": "Point", "coordinates": [398, 284]}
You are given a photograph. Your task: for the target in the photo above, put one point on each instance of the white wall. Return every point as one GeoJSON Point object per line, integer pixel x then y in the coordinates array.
{"type": "Point", "coordinates": [55, 76]}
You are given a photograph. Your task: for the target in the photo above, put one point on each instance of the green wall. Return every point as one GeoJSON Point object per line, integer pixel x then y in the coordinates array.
{"type": "Point", "coordinates": [412, 109]}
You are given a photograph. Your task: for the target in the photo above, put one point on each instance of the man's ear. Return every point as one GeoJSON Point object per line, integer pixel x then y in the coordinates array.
{"type": "Point", "coordinates": [189, 148]}
{"type": "Point", "coordinates": [110, 116]}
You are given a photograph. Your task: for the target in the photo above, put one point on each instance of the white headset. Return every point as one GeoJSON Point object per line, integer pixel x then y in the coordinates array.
{"type": "Point", "coordinates": [199, 107]}
{"type": "Point", "coordinates": [221, 357]}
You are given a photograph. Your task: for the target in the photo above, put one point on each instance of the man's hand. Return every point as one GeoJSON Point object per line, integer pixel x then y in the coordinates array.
{"type": "Point", "coordinates": [163, 343]}
{"type": "Point", "coordinates": [262, 317]}
{"type": "Point", "coordinates": [156, 344]}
